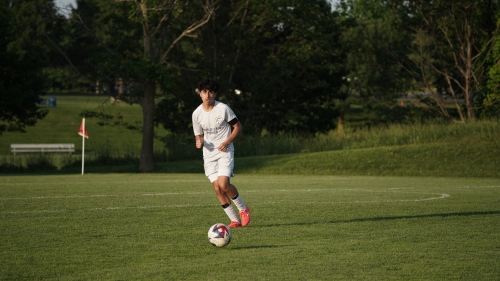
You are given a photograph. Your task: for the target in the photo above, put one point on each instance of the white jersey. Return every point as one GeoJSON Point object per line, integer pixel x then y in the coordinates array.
{"type": "Point", "coordinates": [214, 127]}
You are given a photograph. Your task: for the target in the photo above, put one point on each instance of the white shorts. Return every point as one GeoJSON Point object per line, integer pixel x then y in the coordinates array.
{"type": "Point", "coordinates": [222, 166]}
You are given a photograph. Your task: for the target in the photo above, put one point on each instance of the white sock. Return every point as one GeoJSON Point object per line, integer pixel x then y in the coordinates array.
{"type": "Point", "coordinates": [231, 213]}
{"type": "Point", "coordinates": [239, 203]}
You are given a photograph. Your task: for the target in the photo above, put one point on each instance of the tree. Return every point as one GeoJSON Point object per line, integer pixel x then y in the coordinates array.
{"type": "Point", "coordinates": [491, 100]}
{"type": "Point", "coordinates": [23, 53]}
{"type": "Point", "coordinates": [278, 63]}
{"type": "Point", "coordinates": [133, 40]}
{"type": "Point", "coordinates": [421, 57]}
{"type": "Point", "coordinates": [462, 33]}
{"type": "Point", "coordinates": [374, 38]}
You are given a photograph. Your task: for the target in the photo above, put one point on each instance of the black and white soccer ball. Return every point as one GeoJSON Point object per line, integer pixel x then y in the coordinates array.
{"type": "Point", "coordinates": [219, 235]}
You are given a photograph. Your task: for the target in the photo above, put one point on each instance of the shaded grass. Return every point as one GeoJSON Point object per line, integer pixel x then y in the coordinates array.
{"type": "Point", "coordinates": [153, 227]}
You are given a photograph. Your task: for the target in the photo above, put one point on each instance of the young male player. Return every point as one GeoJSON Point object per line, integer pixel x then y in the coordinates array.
{"type": "Point", "coordinates": [215, 127]}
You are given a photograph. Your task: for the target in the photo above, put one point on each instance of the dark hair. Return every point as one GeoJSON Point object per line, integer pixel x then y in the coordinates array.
{"type": "Point", "coordinates": [209, 85]}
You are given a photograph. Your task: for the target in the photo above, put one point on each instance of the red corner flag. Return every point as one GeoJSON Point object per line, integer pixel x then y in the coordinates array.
{"type": "Point", "coordinates": [83, 131]}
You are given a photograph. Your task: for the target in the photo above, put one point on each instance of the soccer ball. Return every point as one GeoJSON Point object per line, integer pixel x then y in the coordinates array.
{"type": "Point", "coordinates": [219, 235]}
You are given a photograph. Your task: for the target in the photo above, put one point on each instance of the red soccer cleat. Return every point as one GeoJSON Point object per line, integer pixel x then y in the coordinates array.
{"type": "Point", "coordinates": [234, 224]}
{"type": "Point", "coordinates": [245, 216]}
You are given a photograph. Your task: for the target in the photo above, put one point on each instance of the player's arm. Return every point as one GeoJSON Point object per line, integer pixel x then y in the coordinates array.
{"type": "Point", "coordinates": [199, 141]}
{"type": "Point", "coordinates": [236, 129]}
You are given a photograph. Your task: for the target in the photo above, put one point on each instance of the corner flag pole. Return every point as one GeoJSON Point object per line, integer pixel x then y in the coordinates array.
{"type": "Point", "coordinates": [83, 132]}
{"type": "Point", "coordinates": [83, 144]}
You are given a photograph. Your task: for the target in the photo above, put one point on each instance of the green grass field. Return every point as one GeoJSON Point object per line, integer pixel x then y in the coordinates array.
{"type": "Point", "coordinates": [154, 227]}
{"type": "Point", "coordinates": [404, 202]}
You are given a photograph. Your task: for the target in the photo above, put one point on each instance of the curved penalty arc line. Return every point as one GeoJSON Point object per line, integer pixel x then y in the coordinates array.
{"type": "Point", "coordinates": [442, 196]}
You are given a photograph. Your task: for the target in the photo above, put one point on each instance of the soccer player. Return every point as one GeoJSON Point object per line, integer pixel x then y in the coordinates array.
{"type": "Point", "coordinates": [215, 127]}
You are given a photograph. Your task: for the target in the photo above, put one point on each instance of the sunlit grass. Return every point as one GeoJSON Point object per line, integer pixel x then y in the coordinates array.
{"type": "Point", "coordinates": [154, 227]}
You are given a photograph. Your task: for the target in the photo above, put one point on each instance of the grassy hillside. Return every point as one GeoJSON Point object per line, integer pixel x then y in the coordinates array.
{"type": "Point", "coordinates": [478, 159]}
{"type": "Point", "coordinates": [63, 121]}
{"type": "Point", "coordinates": [434, 149]}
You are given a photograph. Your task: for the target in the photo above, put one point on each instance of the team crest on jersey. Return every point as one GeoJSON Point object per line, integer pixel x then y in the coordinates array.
{"type": "Point", "coordinates": [219, 120]}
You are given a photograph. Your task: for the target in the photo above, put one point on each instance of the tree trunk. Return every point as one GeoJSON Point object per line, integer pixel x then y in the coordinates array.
{"type": "Point", "coordinates": [471, 111]}
{"type": "Point", "coordinates": [469, 69]}
{"type": "Point", "coordinates": [120, 87]}
{"type": "Point", "coordinates": [146, 163]}
{"type": "Point", "coordinates": [340, 123]}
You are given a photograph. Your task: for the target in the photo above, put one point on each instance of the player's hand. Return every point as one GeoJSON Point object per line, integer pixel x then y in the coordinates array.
{"type": "Point", "coordinates": [199, 141]}
{"type": "Point", "coordinates": [223, 147]}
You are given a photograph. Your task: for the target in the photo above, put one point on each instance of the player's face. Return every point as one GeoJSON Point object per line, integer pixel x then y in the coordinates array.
{"type": "Point", "coordinates": [207, 97]}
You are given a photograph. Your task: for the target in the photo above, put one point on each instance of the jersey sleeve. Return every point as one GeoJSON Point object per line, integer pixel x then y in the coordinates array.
{"type": "Point", "coordinates": [197, 129]}
{"type": "Point", "coordinates": [230, 116]}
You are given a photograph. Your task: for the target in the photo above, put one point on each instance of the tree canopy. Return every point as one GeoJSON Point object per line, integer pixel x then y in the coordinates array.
{"type": "Point", "coordinates": [278, 63]}
{"type": "Point", "coordinates": [23, 54]}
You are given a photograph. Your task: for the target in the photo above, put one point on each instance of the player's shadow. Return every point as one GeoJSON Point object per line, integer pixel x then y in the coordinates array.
{"type": "Point", "coordinates": [389, 218]}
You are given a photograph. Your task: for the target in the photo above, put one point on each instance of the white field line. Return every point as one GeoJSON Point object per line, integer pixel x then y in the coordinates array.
{"type": "Point", "coordinates": [111, 209]}
{"type": "Point", "coordinates": [393, 190]}
{"type": "Point", "coordinates": [441, 196]}
{"type": "Point", "coordinates": [198, 193]}
{"type": "Point", "coordinates": [154, 207]}
{"type": "Point", "coordinates": [86, 183]}
{"type": "Point", "coordinates": [101, 195]}
{"type": "Point", "coordinates": [486, 186]}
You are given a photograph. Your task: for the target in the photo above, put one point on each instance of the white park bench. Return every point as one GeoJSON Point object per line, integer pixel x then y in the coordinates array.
{"type": "Point", "coordinates": [42, 147]}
